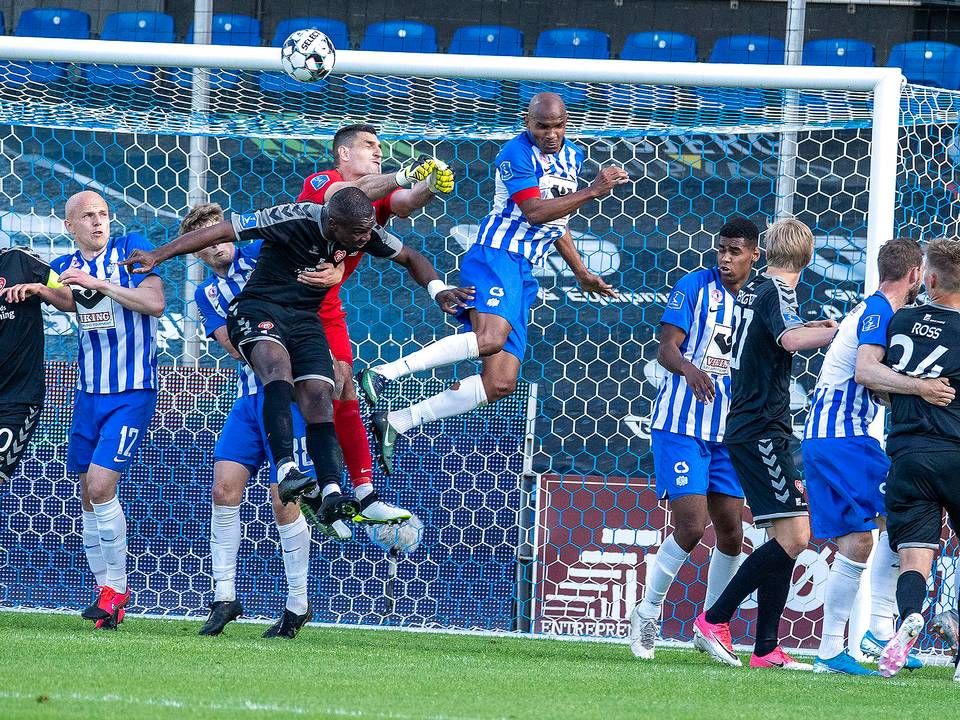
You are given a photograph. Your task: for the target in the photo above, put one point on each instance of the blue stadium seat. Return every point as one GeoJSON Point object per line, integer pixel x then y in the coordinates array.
{"type": "Point", "coordinates": [136, 27]}
{"type": "Point", "coordinates": [575, 43]}
{"type": "Point", "coordinates": [662, 46]}
{"type": "Point", "coordinates": [845, 52]}
{"type": "Point", "coordinates": [225, 30]}
{"type": "Point", "coordinates": [748, 50]}
{"type": "Point", "coordinates": [392, 36]}
{"type": "Point", "coordinates": [279, 82]}
{"type": "Point", "coordinates": [480, 40]}
{"type": "Point", "coordinates": [928, 63]}
{"type": "Point", "coordinates": [46, 23]}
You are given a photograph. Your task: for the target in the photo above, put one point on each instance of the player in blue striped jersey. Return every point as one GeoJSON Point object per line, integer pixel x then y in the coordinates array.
{"type": "Point", "coordinates": [845, 467]}
{"type": "Point", "coordinates": [117, 389]}
{"type": "Point", "coordinates": [536, 191]}
{"type": "Point", "coordinates": [692, 466]}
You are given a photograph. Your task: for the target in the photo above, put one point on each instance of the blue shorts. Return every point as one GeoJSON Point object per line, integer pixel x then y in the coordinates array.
{"type": "Point", "coordinates": [243, 439]}
{"type": "Point", "coordinates": [108, 428]}
{"type": "Point", "coordinates": [845, 479]}
{"type": "Point", "coordinates": [687, 465]}
{"type": "Point", "coordinates": [505, 287]}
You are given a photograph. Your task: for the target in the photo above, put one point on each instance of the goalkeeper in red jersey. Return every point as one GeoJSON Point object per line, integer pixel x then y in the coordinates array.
{"type": "Point", "coordinates": [357, 159]}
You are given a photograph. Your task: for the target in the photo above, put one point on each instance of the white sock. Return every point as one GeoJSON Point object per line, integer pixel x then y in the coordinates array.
{"type": "Point", "coordinates": [112, 526]}
{"type": "Point", "coordinates": [284, 469]}
{"type": "Point", "coordinates": [91, 546]}
{"type": "Point", "coordinates": [361, 491]}
{"type": "Point", "coordinates": [224, 546]}
{"type": "Point", "coordinates": [666, 564]}
{"type": "Point", "coordinates": [327, 489]}
{"type": "Point", "coordinates": [843, 582]}
{"type": "Point", "coordinates": [468, 396]}
{"type": "Point", "coordinates": [883, 588]}
{"type": "Point", "coordinates": [295, 542]}
{"type": "Point", "coordinates": [445, 351]}
{"type": "Point", "coordinates": [722, 568]}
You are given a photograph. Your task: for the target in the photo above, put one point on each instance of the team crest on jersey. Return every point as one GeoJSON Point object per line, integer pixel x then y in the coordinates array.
{"type": "Point", "coordinates": [676, 300]}
{"type": "Point", "coordinates": [266, 325]}
{"type": "Point", "coordinates": [871, 322]}
{"type": "Point", "coordinates": [76, 263]}
{"type": "Point", "coordinates": [338, 256]}
{"type": "Point", "coordinates": [506, 171]}
{"type": "Point", "coordinates": [3, 283]}
{"type": "Point", "coordinates": [212, 292]}
{"type": "Point", "coordinates": [716, 296]}
{"type": "Point", "coordinates": [319, 181]}
{"type": "Point", "coordinates": [799, 485]}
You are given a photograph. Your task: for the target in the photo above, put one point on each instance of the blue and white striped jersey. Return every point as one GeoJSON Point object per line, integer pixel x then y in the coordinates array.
{"type": "Point", "coordinates": [213, 297]}
{"type": "Point", "coordinates": [524, 172]}
{"type": "Point", "coordinates": [703, 308]}
{"type": "Point", "coordinates": [841, 407]}
{"type": "Point", "coordinates": [118, 347]}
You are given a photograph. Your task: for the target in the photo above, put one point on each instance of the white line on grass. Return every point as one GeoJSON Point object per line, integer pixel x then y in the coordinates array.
{"type": "Point", "coordinates": [237, 706]}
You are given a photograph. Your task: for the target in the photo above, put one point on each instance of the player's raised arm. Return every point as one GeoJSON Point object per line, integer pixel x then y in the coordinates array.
{"type": "Point", "coordinates": [191, 242]}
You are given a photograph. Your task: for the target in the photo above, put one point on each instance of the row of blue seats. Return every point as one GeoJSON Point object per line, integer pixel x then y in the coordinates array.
{"type": "Point", "coordinates": [928, 63]}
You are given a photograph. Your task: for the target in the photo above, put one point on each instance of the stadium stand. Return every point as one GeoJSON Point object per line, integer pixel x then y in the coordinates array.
{"type": "Point", "coordinates": [46, 23]}
{"type": "Point", "coordinates": [660, 46]}
{"type": "Point", "coordinates": [226, 30]}
{"type": "Point", "coordinates": [928, 63]}
{"type": "Point", "coordinates": [137, 27]}
{"type": "Point", "coordinates": [392, 36]}
{"type": "Point", "coordinates": [839, 51]}
{"type": "Point", "coordinates": [577, 43]}
{"type": "Point", "coordinates": [479, 40]}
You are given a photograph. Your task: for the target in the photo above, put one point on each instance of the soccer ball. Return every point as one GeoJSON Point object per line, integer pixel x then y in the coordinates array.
{"type": "Point", "coordinates": [403, 537]}
{"type": "Point", "coordinates": [307, 55]}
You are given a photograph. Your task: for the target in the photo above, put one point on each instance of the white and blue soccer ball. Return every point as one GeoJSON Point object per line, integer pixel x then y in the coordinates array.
{"type": "Point", "coordinates": [403, 537]}
{"type": "Point", "coordinates": [308, 55]}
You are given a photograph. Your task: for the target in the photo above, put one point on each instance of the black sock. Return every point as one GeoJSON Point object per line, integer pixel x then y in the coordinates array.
{"type": "Point", "coordinates": [771, 599]}
{"type": "Point", "coordinates": [911, 590]}
{"type": "Point", "coordinates": [324, 450]}
{"type": "Point", "coordinates": [278, 419]}
{"type": "Point", "coordinates": [752, 572]}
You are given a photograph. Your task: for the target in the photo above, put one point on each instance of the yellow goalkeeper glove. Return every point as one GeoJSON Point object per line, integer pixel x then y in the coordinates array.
{"type": "Point", "coordinates": [441, 179]}
{"type": "Point", "coordinates": [415, 171]}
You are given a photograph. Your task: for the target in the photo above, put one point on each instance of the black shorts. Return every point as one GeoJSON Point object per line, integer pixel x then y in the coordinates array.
{"type": "Point", "coordinates": [769, 478]}
{"type": "Point", "coordinates": [17, 424]}
{"type": "Point", "coordinates": [250, 321]}
{"type": "Point", "coordinates": [921, 485]}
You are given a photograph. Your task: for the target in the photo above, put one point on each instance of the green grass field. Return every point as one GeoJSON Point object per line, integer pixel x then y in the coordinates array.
{"type": "Point", "coordinates": [56, 666]}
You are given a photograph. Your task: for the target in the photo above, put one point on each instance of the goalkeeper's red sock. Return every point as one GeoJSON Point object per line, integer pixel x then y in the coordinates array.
{"type": "Point", "coordinates": [352, 436]}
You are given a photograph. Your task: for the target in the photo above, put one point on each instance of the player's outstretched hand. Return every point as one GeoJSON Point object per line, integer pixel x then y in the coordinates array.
{"type": "Point", "coordinates": [146, 260]}
{"type": "Point", "coordinates": [609, 177]}
{"type": "Point", "coordinates": [325, 275]}
{"type": "Point", "coordinates": [19, 293]}
{"type": "Point", "coordinates": [593, 283]}
{"type": "Point", "coordinates": [821, 324]}
{"type": "Point", "coordinates": [452, 300]}
{"type": "Point", "coordinates": [415, 171]}
{"type": "Point", "coordinates": [699, 382]}
{"type": "Point", "coordinates": [441, 180]}
{"type": "Point", "coordinates": [75, 276]}
{"type": "Point", "coordinates": [937, 391]}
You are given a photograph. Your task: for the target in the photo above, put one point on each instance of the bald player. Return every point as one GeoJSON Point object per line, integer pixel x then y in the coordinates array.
{"type": "Point", "coordinates": [536, 191]}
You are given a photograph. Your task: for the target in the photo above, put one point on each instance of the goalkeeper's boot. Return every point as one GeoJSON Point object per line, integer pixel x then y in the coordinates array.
{"type": "Point", "coordinates": [872, 647]}
{"type": "Point", "coordinates": [643, 634]}
{"type": "Point", "coordinates": [289, 624]}
{"type": "Point", "coordinates": [375, 511]}
{"type": "Point", "coordinates": [221, 613]}
{"type": "Point", "coordinates": [372, 384]}
{"type": "Point", "coordinates": [318, 517]}
{"type": "Point", "coordinates": [777, 658]}
{"type": "Point", "coordinates": [956, 673]}
{"type": "Point", "coordinates": [385, 437]}
{"type": "Point", "coordinates": [93, 611]}
{"type": "Point", "coordinates": [841, 664]}
{"type": "Point", "coordinates": [114, 605]}
{"type": "Point", "coordinates": [715, 640]}
{"type": "Point", "coordinates": [895, 653]}
{"type": "Point", "coordinates": [293, 484]}
{"type": "Point", "coordinates": [944, 626]}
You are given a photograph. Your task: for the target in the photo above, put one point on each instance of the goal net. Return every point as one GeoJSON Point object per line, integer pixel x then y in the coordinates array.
{"type": "Point", "coordinates": [540, 513]}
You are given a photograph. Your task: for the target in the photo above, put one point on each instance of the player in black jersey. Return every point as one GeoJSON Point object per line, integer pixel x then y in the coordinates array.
{"type": "Point", "coordinates": [25, 282]}
{"type": "Point", "coordinates": [924, 440]}
{"type": "Point", "coordinates": [767, 331]}
{"type": "Point", "coordinates": [273, 322]}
